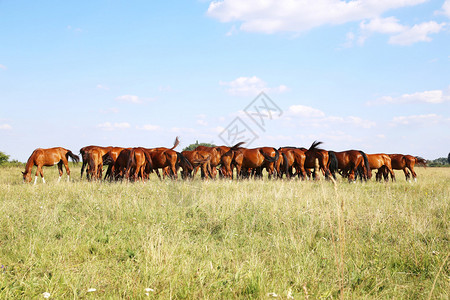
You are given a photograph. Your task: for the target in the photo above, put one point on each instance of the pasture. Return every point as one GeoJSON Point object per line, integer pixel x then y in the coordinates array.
{"type": "Point", "coordinates": [223, 239]}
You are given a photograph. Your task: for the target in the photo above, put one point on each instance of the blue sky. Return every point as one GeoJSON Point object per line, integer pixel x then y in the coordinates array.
{"type": "Point", "coordinates": [369, 75]}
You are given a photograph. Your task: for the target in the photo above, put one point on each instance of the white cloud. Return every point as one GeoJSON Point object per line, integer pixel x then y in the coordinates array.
{"type": "Point", "coordinates": [112, 110]}
{"type": "Point", "coordinates": [102, 87]}
{"type": "Point", "coordinates": [149, 127]}
{"type": "Point", "coordinates": [445, 9]}
{"type": "Point", "coordinates": [388, 25]}
{"type": "Point", "coordinates": [417, 33]}
{"type": "Point", "coordinates": [429, 119]}
{"type": "Point", "coordinates": [271, 16]}
{"type": "Point", "coordinates": [400, 34]}
{"type": "Point", "coordinates": [250, 86]}
{"type": "Point", "coordinates": [5, 127]}
{"type": "Point", "coordinates": [433, 97]}
{"type": "Point", "coordinates": [313, 117]}
{"type": "Point", "coordinates": [182, 130]}
{"type": "Point", "coordinates": [129, 99]}
{"type": "Point", "coordinates": [304, 111]}
{"type": "Point", "coordinates": [202, 122]}
{"type": "Point", "coordinates": [3, 67]}
{"type": "Point", "coordinates": [166, 88]}
{"type": "Point", "coordinates": [70, 28]}
{"type": "Point", "coordinates": [113, 126]}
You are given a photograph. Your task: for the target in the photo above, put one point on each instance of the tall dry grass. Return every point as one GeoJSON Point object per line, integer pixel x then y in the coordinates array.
{"type": "Point", "coordinates": [225, 239]}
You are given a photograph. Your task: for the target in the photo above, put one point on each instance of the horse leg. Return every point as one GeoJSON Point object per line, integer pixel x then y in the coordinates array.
{"type": "Point", "coordinates": [41, 172]}
{"type": "Point", "coordinates": [60, 170]}
{"type": "Point", "coordinates": [414, 175]}
{"type": "Point", "coordinates": [157, 173]}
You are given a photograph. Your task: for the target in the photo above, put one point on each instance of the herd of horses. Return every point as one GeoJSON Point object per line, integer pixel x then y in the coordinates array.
{"type": "Point", "coordinates": [227, 162]}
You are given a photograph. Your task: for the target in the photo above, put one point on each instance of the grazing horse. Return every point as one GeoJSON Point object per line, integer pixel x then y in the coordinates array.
{"type": "Point", "coordinates": [380, 161]}
{"type": "Point", "coordinates": [405, 162]}
{"type": "Point", "coordinates": [164, 158]}
{"type": "Point", "coordinates": [119, 167]}
{"type": "Point", "coordinates": [48, 157]}
{"type": "Point", "coordinates": [197, 159]}
{"type": "Point", "coordinates": [269, 164]}
{"type": "Point", "coordinates": [84, 152]}
{"type": "Point", "coordinates": [109, 159]}
{"type": "Point", "coordinates": [220, 156]}
{"type": "Point", "coordinates": [298, 156]}
{"type": "Point", "coordinates": [324, 158]}
{"type": "Point", "coordinates": [349, 161]}
{"type": "Point", "coordinates": [94, 159]}
{"type": "Point", "coordinates": [285, 162]}
{"type": "Point", "coordinates": [226, 159]}
{"type": "Point", "coordinates": [137, 162]}
{"type": "Point", "coordinates": [246, 159]}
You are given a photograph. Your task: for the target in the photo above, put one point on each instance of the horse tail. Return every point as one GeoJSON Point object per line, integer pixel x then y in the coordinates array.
{"type": "Point", "coordinates": [270, 158]}
{"type": "Point", "coordinates": [75, 158]}
{"type": "Point", "coordinates": [184, 162]}
{"type": "Point", "coordinates": [332, 163]}
{"type": "Point", "coordinates": [286, 167]}
{"type": "Point", "coordinates": [148, 159]}
{"type": "Point", "coordinates": [131, 162]}
{"type": "Point", "coordinates": [314, 145]}
{"type": "Point", "coordinates": [107, 159]}
{"type": "Point", "coordinates": [237, 146]}
{"type": "Point", "coordinates": [366, 163]}
{"type": "Point", "coordinates": [175, 143]}
{"type": "Point", "coordinates": [421, 161]}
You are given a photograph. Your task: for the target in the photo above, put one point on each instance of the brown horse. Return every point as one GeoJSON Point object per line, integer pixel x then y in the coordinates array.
{"type": "Point", "coordinates": [325, 159]}
{"type": "Point", "coordinates": [138, 161]}
{"type": "Point", "coordinates": [285, 162]}
{"type": "Point", "coordinates": [269, 164]}
{"type": "Point", "coordinates": [349, 161]}
{"type": "Point", "coordinates": [295, 158]}
{"type": "Point", "coordinates": [198, 159]}
{"type": "Point", "coordinates": [380, 161]}
{"type": "Point", "coordinates": [95, 163]}
{"type": "Point", "coordinates": [164, 158]}
{"type": "Point", "coordinates": [405, 162]}
{"type": "Point", "coordinates": [227, 158]}
{"type": "Point", "coordinates": [48, 157]}
{"type": "Point", "coordinates": [246, 159]}
{"type": "Point", "coordinates": [220, 156]}
{"type": "Point", "coordinates": [109, 159]}
{"type": "Point", "coordinates": [84, 152]}
{"type": "Point", "coordinates": [119, 167]}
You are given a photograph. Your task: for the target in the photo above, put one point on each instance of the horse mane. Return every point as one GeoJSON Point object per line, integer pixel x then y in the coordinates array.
{"type": "Point", "coordinates": [30, 163]}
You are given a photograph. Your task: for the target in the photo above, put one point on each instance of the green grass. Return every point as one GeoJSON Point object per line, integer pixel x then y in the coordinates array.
{"type": "Point", "coordinates": [225, 239]}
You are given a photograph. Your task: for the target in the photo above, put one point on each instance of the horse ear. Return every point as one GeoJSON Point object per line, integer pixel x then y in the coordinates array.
{"type": "Point", "coordinates": [23, 173]}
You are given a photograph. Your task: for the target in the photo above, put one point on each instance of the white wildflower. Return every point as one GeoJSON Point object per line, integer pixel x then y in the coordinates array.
{"type": "Point", "coordinates": [46, 295]}
{"type": "Point", "coordinates": [91, 290]}
{"type": "Point", "coordinates": [149, 290]}
{"type": "Point", "coordinates": [289, 294]}
{"type": "Point", "coordinates": [272, 295]}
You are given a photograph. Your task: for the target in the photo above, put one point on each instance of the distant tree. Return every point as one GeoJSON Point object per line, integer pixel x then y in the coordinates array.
{"type": "Point", "coordinates": [3, 158]}
{"type": "Point", "coordinates": [193, 146]}
{"type": "Point", "coordinates": [438, 162]}
{"type": "Point", "coordinates": [448, 158]}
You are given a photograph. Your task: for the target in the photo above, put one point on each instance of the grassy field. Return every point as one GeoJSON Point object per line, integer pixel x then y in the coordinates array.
{"type": "Point", "coordinates": [225, 239]}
